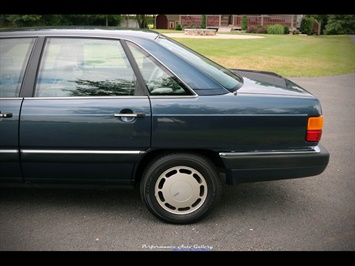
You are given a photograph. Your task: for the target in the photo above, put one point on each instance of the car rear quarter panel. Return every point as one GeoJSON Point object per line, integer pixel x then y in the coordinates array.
{"type": "Point", "coordinates": [232, 122]}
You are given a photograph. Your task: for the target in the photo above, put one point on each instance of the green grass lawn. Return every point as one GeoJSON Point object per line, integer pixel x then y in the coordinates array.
{"type": "Point", "coordinates": [288, 55]}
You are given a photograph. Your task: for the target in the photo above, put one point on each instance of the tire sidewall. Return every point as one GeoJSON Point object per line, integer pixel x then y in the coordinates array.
{"type": "Point", "coordinates": [200, 164]}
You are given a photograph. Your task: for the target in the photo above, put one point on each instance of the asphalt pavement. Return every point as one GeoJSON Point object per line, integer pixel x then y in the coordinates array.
{"type": "Point", "coordinates": [308, 214]}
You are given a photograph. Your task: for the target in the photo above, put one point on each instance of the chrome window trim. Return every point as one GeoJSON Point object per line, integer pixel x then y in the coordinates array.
{"type": "Point", "coordinates": [109, 97]}
{"type": "Point", "coordinates": [9, 151]}
{"type": "Point", "coordinates": [86, 97]}
{"type": "Point", "coordinates": [11, 98]}
{"type": "Point", "coordinates": [172, 96]}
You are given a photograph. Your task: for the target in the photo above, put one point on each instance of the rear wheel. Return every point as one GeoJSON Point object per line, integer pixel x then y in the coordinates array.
{"type": "Point", "coordinates": [180, 188]}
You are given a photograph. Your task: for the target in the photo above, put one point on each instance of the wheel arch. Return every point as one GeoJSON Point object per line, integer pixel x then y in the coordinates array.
{"type": "Point", "coordinates": [154, 154]}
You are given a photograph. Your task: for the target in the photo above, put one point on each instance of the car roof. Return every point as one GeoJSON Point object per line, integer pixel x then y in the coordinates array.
{"type": "Point", "coordinates": [87, 31]}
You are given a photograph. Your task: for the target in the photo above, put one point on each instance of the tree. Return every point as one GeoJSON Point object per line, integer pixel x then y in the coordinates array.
{"type": "Point", "coordinates": [203, 22]}
{"type": "Point", "coordinates": [142, 21]}
{"type": "Point", "coordinates": [340, 24]}
{"type": "Point", "coordinates": [307, 25]}
{"type": "Point", "coordinates": [59, 20]}
{"type": "Point", "coordinates": [23, 20]}
{"type": "Point", "coordinates": [336, 24]}
{"type": "Point", "coordinates": [244, 23]}
{"type": "Point", "coordinates": [323, 20]}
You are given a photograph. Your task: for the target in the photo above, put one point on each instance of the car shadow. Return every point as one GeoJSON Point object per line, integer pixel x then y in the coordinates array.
{"type": "Point", "coordinates": [253, 198]}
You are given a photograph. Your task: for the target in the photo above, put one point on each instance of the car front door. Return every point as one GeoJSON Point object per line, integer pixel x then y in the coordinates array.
{"type": "Point", "coordinates": [14, 56]}
{"type": "Point", "coordinates": [88, 119]}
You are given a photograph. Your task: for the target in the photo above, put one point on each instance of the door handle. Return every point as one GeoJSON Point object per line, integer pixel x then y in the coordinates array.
{"type": "Point", "coordinates": [5, 115]}
{"type": "Point", "coordinates": [137, 115]}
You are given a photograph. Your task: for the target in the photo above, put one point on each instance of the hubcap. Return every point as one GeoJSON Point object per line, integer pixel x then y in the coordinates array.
{"type": "Point", "coordinates": [181, 190]}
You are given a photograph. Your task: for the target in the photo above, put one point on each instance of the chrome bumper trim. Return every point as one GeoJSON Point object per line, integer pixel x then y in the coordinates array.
{"type": "Point", "coordinates": [310, 150]}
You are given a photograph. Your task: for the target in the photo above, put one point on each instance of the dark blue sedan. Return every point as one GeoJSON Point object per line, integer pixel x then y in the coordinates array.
{"type": "Point", "coordinates": [110, 107]}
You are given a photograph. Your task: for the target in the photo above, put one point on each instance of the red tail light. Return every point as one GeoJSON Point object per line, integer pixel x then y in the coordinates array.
{"type": "Point", "coordinates": [314, 129]}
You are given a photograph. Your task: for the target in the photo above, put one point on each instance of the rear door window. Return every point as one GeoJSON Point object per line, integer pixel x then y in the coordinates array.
{"type": "Point", "coordinates": [84, 67]}
{"type": "Point", "coordinates": [14, 55]}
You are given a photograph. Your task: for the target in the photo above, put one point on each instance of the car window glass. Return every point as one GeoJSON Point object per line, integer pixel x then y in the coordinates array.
{"type": "Point", "coordinates": [84, 67]}
{"type": "Point", "coordinates": [14, 55]}
{"type": "Point", "coordinates": [230, 80]}
{"type": "Point", "coordinates": [158, 79]}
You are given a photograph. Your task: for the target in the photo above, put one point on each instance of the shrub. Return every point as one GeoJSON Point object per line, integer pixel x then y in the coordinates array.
{"type": "Point", "coordinates": [178, 27]}
{"type": "Point", "coordinates": [251, 29]}
{"type": "Point", "coordinates": [258, 29]}
{"type": "Point", "coordinates": [307, 25]}
{"type": "Point", "coordinates": [261, 30]}
{"type": "Point", "coordinates": [275, 29]}
{"type": "Point", "coordinates": [286, 30]}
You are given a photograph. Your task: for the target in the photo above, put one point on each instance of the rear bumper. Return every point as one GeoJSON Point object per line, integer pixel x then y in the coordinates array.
{"type": "Point", "coordinates": [256, 166]}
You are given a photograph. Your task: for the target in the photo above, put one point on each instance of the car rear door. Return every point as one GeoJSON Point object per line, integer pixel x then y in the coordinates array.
{"type": "Point", "coordinates": [88, 119]}
{"type": "Point", "coordinates": [14, 57]}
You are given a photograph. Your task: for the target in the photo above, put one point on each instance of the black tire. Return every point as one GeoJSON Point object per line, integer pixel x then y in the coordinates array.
{"type": "Point", "coordinates": [181, 188]}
